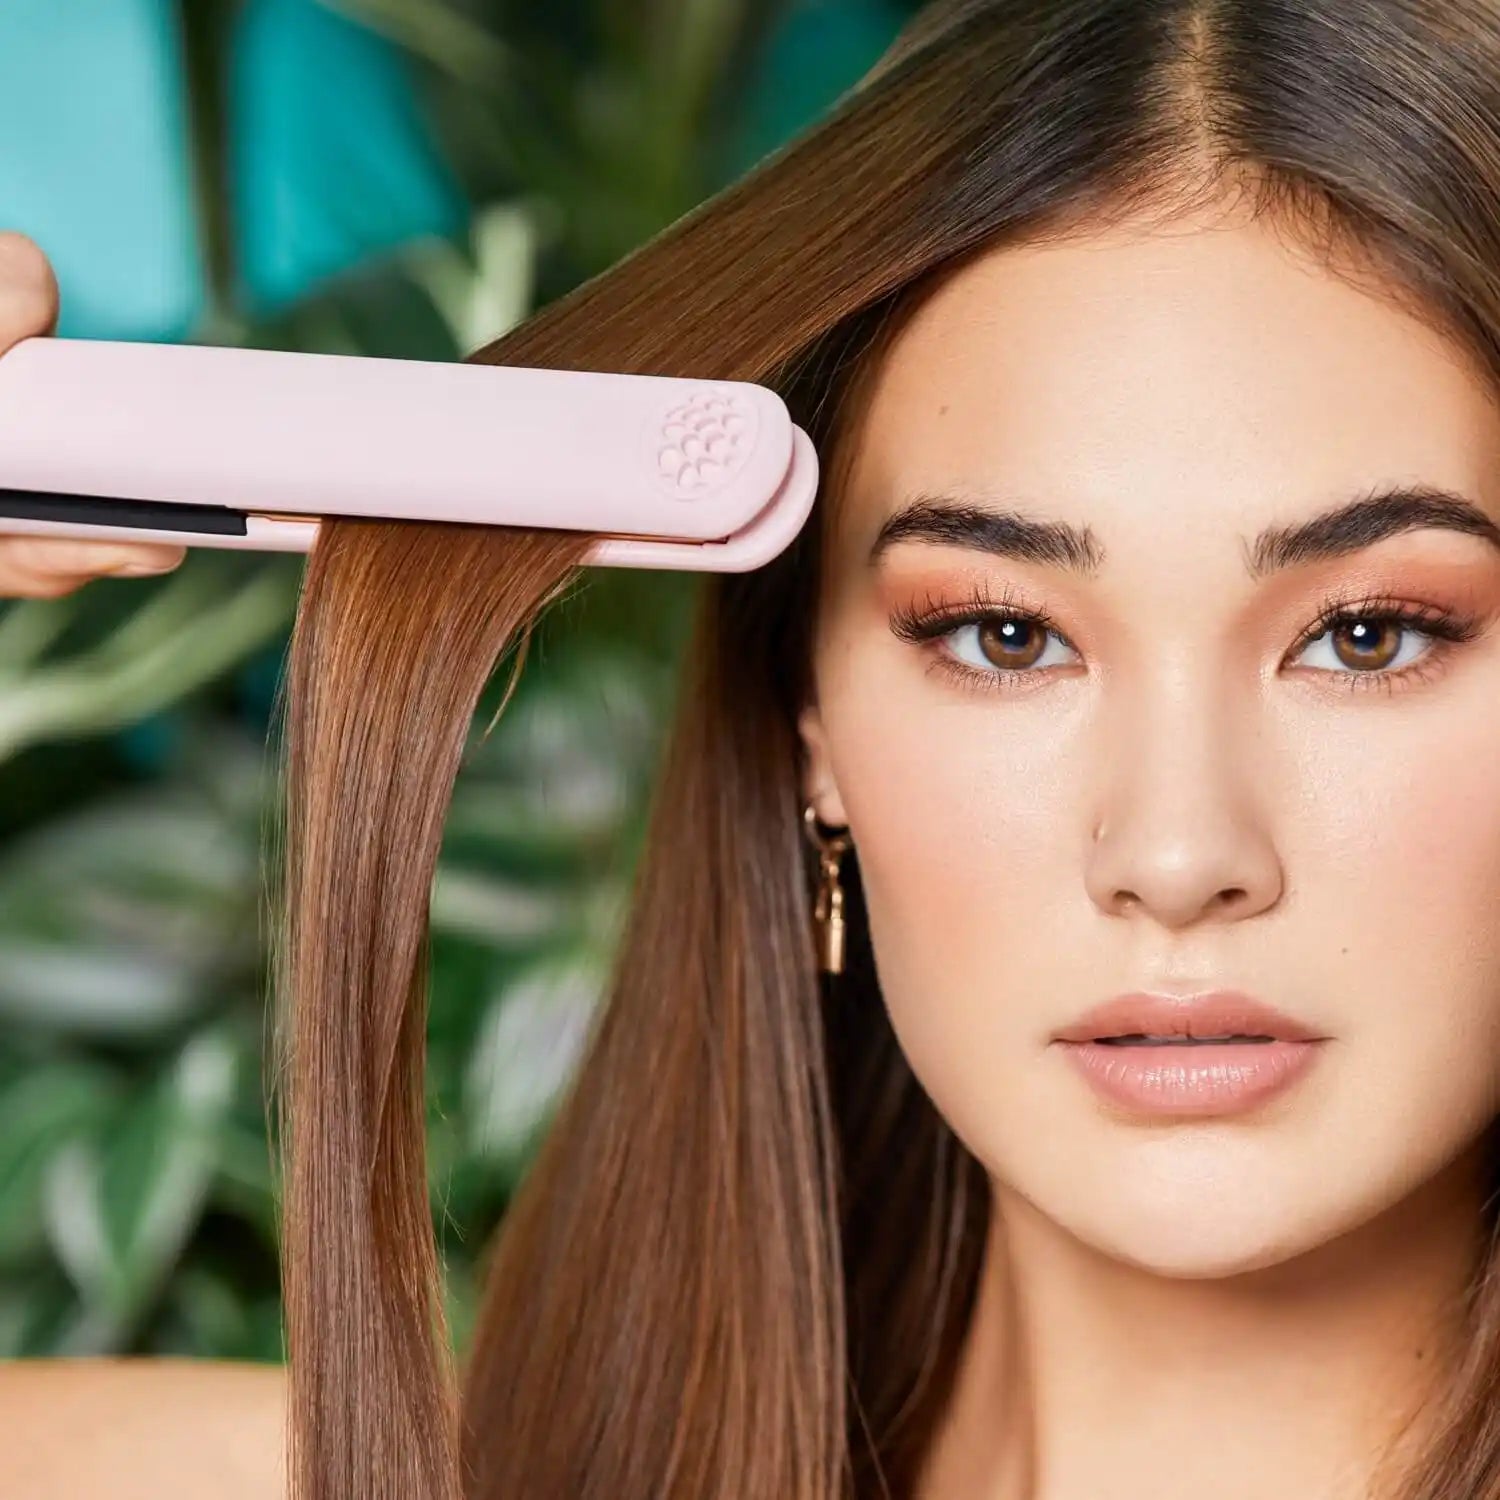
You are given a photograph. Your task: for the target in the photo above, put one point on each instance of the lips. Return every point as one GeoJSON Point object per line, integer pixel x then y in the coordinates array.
{"type": "Point", "coordinates": [1216, 1013]}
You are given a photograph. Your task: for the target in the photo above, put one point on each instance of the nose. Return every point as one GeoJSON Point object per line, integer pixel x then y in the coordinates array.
{"type": "Point", "coordinates": [1180, 836]}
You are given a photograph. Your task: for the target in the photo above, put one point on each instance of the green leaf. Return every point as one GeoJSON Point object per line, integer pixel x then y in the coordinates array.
{"type": "Point", "coordinates": [100, 989]}
{"type": "Point", "coordinates": [38, 1311]}
{"type": "Point", "coordinates": [185, 633]}
{"type": "Point", "coordinates": [121, 1207]}
{"type": "Point", "coordinates": [40, 1112]}
{"type": "Point", "coordinates": [205, 1314]}
{"type": "Point", "coordinates": [531, 1041]}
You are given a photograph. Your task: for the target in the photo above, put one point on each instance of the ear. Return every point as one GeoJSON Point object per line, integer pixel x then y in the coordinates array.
{"type": "Point", "coordinates": [818, 785]}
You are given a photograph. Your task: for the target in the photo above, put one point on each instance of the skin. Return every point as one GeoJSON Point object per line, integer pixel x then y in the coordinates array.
{"type": "Point", "coordinates": [45, 567]}
{"type": "Point", "coordinates": [153, 1429]}
{"type": "Point", "coordinates": [1175, 798]}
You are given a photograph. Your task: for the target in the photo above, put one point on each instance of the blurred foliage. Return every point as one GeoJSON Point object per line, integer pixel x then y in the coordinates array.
{"type": "Point", "coordinates": [136, 1208]}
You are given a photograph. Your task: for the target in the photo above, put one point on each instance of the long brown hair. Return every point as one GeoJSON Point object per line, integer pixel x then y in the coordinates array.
{"type": "Point", "coordinates": [743, 1260]}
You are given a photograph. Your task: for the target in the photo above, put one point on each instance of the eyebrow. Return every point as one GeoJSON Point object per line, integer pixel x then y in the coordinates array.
{"type": "Point", "coordinates": [966, 521]}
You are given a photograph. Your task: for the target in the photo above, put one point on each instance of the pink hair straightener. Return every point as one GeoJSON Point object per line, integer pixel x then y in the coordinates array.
{"type": "Point", "coordinates": [209, 446]}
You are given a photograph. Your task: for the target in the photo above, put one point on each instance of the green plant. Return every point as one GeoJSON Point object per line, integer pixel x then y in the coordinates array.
{"type": "Point", "coordinates": [136, 1199]}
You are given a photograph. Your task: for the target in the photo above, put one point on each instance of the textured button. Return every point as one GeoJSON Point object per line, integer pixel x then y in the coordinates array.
{"type": "Point", "coordinates": [704, 441]}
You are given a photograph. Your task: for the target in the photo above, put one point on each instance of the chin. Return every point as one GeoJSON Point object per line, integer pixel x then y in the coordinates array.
{"type": "Point", "coordinates": [1203, 1258]}
{"type": "Point", "coordinates": [1200, 1225]}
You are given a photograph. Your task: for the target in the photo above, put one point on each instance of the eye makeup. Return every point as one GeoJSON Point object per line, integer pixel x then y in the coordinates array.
{"type": "Point", "coordinates": [1446, 627]}
{"type": "Point", "coordinates": [928, 617]}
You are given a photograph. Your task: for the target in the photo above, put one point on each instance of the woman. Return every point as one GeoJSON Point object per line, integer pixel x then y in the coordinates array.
{"type": "Point", "coordinates": [1152, 349]}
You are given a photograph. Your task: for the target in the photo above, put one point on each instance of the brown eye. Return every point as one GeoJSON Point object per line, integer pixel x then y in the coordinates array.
{"type": "Point", "coordinates": [1367, 644]}
{"type": "Point", "coordinates": [1009, 641]}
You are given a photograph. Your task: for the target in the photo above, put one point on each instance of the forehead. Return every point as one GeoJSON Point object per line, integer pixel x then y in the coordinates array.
{"type": "Point", "coordinates": [1204, 377]}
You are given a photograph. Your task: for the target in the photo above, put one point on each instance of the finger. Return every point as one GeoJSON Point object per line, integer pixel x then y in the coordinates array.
{"type": "Point", "coordinates": [28, 290]}
{"type": "Point", "coordinates": [20, 585]}
{"type": "Point", "coordinates": [50, 556]}
{"type": "Point", "coordinates": [25, 583]}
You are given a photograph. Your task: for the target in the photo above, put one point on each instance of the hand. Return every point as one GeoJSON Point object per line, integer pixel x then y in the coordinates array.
{"type": "Point", "coordinates": [39, 567]}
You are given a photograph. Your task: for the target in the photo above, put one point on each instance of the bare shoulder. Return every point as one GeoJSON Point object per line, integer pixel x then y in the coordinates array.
{"type": "Point", "coordinates": [128, 1429]}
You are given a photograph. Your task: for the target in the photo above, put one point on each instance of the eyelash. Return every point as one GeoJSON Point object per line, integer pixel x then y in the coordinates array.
{"type": "Point", "coordinates": [928, 622]}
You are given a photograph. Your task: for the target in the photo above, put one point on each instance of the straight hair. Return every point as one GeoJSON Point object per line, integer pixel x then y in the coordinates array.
{"type": "Point", "coordinates": [742, 1262]}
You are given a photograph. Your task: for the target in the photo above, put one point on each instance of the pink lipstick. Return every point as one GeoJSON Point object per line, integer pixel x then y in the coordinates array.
{"type": "Point", "coordinates": [1183, 1055]}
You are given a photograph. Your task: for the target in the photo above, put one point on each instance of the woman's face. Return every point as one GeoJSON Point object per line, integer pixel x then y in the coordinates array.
{"type": "Point", "coordinates": [1167, 786]}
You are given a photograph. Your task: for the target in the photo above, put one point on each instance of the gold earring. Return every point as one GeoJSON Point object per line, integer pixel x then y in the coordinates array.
{"type": "Point", "coordinates": [828, 913]}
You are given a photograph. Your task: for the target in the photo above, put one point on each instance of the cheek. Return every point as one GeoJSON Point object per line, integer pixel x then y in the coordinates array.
{"type": "Point", "coordinates": [1393, 841]}
{"type": "Point", "coordinates": [967, 813]}
{"type": "Point", "coordinates": [1401, 927]}
{"type": "Point", "coordinates": [1436, 834]}
{"type": "Point", "coordinates": [933, 803]}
